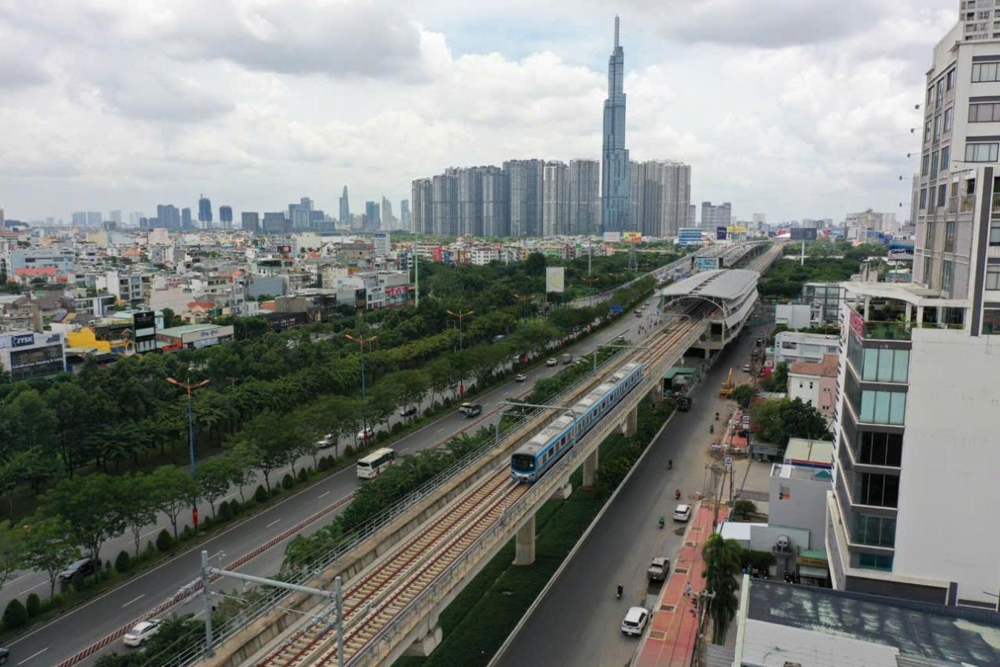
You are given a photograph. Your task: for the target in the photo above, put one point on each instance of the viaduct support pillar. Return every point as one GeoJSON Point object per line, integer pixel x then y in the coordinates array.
{"type": "Point", "coordinates": [631, 423]}
{"type": "Point", "coordinates": [524, 549]}
{"type": "Point", "coordinates": [426, 644]}
{"type": "Point", "coordinates": [589, 469]}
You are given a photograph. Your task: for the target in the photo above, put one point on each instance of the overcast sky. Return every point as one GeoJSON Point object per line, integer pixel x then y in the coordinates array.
{"type": "Point", "coordinates": [793, 108]}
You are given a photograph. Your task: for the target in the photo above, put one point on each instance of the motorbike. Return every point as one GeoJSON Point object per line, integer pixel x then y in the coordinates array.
{"type": "Point", "coordinates": [619, 592]}
{"type": "Point", "coordinates": [677, 494]}
{"type": "Point", "coordinates": [711, 428]}
{"type": "Point", "coordinates": [662, 522]}
{"type": "Point", "coordinates": [716, 416]}
{"type": "Point", "coordinates": [670, 464]}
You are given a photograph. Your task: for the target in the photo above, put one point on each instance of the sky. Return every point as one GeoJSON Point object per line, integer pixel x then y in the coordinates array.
{"type": "Point", "coordinates": [791, 108]}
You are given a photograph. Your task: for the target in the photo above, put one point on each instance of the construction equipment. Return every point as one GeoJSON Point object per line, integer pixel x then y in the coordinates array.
{"type": "Point", "coordinates": [727, 387]}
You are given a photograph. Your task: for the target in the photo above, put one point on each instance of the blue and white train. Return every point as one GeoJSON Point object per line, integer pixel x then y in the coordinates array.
{"type": "Point", "coordinates": [531, 460]}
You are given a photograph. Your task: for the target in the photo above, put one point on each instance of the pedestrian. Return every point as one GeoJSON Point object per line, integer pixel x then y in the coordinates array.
{"type": "Point", "coordinates": [687, 590]}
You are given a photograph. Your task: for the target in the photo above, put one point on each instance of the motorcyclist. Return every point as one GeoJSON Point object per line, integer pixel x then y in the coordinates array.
{"type": "Point", "coordinates": [670, 464]}
{"type": "Point", "coordinates": [677, 494]}
{"type": "Point", "coordinates": [620, 589]}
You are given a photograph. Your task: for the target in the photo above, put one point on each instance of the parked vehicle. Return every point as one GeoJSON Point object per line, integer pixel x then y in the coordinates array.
{"type": "Point", "coordinates": [498, 338]}
{"type": "Point", "coordinates": [408, 411]}
{"type": "Point", "coordinates": [566, 359]}
{"type": "Point", "coordinates": [635, 621]}
{"type": "Point", "coordinates": [658, 568]}
{"type": "Point", "coordinates": [141, 632]}
{"type": "Point", "coordinates": [682, 513]}
{"type": "Point", "coordinates": [551, 362]}
{"type": "Point", "coordinates": [81, 568]}
{"type": "Point", "coordinates": [471, 409]}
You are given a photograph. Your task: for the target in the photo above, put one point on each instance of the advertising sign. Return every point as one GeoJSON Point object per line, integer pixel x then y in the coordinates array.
{"type": "Point", "coordinates": [802, 234]}
{"type": "Point", "coordinates": [284, 249]}
{"type": "Point", "coordinates": [736, 229]}
{"type": "Point", "coordinates": [720, 233]}
{"type": "Point", "coordinates": [612, 237]}
{"type": "Point", "coordinates": [22, 340]}
{"type": "Point", "coordinates": [555, 279]}
{"type": "Point", "coordinates": [706, 263]}
{"type": "Point", "coordinates": [631, 237]}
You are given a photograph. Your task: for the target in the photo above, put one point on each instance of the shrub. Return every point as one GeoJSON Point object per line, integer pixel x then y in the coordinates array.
{"type": "Point", "coordinates": [225, 513]}
{"type": "Point", "coordinates": [15, 615]}
{"type": "Point", "coordinates": [287, 481]}
{"type": "Point", "coordinates": [348, 451]}
{"type": "Point", "coordinates": [276, 491]}
{"type": "Point", "coordinates": [164, 541]}
{"type": "Point", "coordinates": [149, 547]}
{"type": "Point", "coordinates": [303, 475]}
{"type": "Point", "coordinates": [187, 533]}
{"type": "Point", "coordinates": [260, 495]}
{"type": "Point", "coordinates": [235, 507]}
{"type": "Point", "coordinates": [324, 464]}
{"type": "Point", "coordinates": [33, 605]}
{"type": "Point", "coordinates": [397, 427]}
{"type": "Point", "coordinates": [756, 560]}
{"type": "Point", "coordinates": [123, 562]}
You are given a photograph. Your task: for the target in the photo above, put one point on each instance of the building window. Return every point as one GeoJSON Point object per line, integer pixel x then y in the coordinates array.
{"type": "Point", "coordinates": [984, 113]}
{"type": "Point", "coordinates": [885, 365]}
{"type": "Point", "coordinates": [875, 531]}
{"type": "Point", "coordinates": [993, 277]}
{"type": "Point", "coordinates": [949, 236]}
{"type": "Point", "coordinates": [939, 93]}
{"type": "Point", "coordinates": [947, 276]}
{"type": "Point", "coordinates": [925, 164]}
{"type": "Point", "coordinates": [873, 562]}
{"type": "Point", "coordinates": [981, 152]}
{"type": "Point", "coordinates": [876, 490]}
{"type": "Point", "coordinates": [930, 204]}
{"type": "Point", "coordinates": [937, 127]}
{"type": "Point", "coordinates": [983, 72]}
{"type": "Point", "coordinates": [927, 270]}
{"type": "Point", "coordinates": [942, 194]}
{"type": "Point", "coordinates": [879, 449]}
{"type": "Point", "coordinates": [923, 198]}
{"type": "Point", "coordinates": [952, 79]}
{"type": "Point", "coordinates": [934, 164]}
{"type": "Point", "coordinates": [945, 156]}
{"type": "Point", "coordinates": [927, 131]}
{"type": "Point", "coordinates": [929, 237]}
{"type": "Point", "coordinates": [991, 322]}
{"type": "Point", "coordinates": [883, 407]}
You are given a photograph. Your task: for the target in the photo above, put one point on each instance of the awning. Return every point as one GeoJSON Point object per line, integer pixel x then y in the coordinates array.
{"type": "Point", "coordinates": [813, 572]}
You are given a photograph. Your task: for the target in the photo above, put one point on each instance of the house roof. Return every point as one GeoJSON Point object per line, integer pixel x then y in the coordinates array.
{"type": "Point", "coordinates": [828, 368]}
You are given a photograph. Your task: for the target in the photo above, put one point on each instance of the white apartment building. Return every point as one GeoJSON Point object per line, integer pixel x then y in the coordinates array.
{"type": "Point", "coordinates": [792, 346]}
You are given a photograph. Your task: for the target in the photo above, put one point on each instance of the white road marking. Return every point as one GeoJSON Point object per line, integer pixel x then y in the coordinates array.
{"type": "Point", "coordinates": [133, 600]}
{"type": "Point", "coordinates": [324, 495]}
{"type": "Point", "coordinates": [31, 657]}
{"type": "Point", "coordinates": [272, 523]}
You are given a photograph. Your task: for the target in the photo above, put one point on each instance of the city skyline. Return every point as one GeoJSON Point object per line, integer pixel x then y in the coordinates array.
{"type": "Point", "coordinates": [245, 123]}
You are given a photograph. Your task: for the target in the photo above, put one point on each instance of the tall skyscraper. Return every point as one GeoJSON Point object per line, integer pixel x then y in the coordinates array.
{"type": "Point", "coordinates": [584, 197]}
{"type": "Point", "coordinates": [422, 194]}
{"type": "Point", "coordinates": [115, 217]}
{"type": "Point", "coordinates": [469, 199]}
{"type": "Point", "coordinates": [94, 219]}
{"type": "Point", "coordinates": [660, 195]}
{"type": "Point", "coordinates": [388, 220]}
{"type": "Point", "coordinates": [79, 218]}
{"type": "Point", "coordinates": [614, 157]}
{"type": "Point", "coordinates": [205, 212]}
{"type": "Point", "coordinates": [168, 217]}
{"type": "Point", "coordinates": [374, 216]}
{"type": "Point", "coordinates": [250, 221]}
{"type": "Point", "coordinates": [405, 218]}
{"type": "Point", "coordinates": [555, 199]}
{"type": "Point", "coordinates": [715, 216]}
{"type": "Point", "coordinates": [496, 203]}
{"type": "Point", "coordinates": [226, 217]}
{"type": "Point", "coordinates": [445, 204]}
{"type": "Point", "coordinates": [186, 222]}
{"type": "Point", "coordinates": [300, 214]}
{"type": "Point", "coordinates": [525, 179]}
{"type": "Point", "coordinates": [345, 208]}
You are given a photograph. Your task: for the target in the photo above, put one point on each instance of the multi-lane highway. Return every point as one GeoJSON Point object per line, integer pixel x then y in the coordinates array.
{"type": "Point", "coordinates": [579, 620]}
{"type": "Point", "coordinates": [71, 632]}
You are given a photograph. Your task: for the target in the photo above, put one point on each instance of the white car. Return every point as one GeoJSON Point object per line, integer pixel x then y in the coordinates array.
{"type": "Point", "coordinates": [520, 377]}
{"type": "Point", "coordinates": [366, 434]}
{"type": "Point", "coordinates": [635, 621]}
{"type": "Point", "coordinates": [141, 632]}
{"type": "Point", "coordinates": [551, 362]}
{"type": "Point", "coordinates": [682, 513]}
{"type": "Point", "coordinates": [328, 440]}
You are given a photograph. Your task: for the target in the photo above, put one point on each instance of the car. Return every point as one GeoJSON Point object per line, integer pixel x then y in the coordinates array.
{"type": "Point", "coordinates": [658, 568]}
{"type": "Point", "coordinates": [746, 368]}
{"type": "Point", "coordinates": [635, 621]}
{"type": "Point", "coordinates": [328, 440]}
{"type": "Point", "coordinates": [141, 632]}
{"type": "Point", "coordinates": [682, 513]}
{"type": "Point", "coordinates": [520, 377]}
{"type": "Point", "coordinates": [551, 362]}
{"type": "Point", "coordinates": [620, 339]}
{"type": "Point", "coordinates": [408, 411]}
{"type": "Point", "coordinates": [4, 655]}
{"type": "Point", "coordinates": [366, 434]}
{"type": "Point", "coordinates": [80, 568]}
{"type": "Point", "coordinates": [470, 409]}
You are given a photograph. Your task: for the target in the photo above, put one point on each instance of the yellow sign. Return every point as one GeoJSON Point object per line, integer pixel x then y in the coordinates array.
{"type": "Point", "coordinates": [631, 237]}
{"type": "Point", "coordinates": [736, 229]}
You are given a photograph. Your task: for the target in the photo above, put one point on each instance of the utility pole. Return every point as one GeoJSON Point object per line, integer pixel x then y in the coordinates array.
{"type": "Point", "coordinates": [189, 387]}
{"type": "Point", "coordinates": [461, 317]}
{"type": "Point", "coordinates": [364, 392]}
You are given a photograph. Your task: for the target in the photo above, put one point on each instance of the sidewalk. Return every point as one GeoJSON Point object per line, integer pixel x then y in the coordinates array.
{"type": "Point", "coordinates": [673, 627]}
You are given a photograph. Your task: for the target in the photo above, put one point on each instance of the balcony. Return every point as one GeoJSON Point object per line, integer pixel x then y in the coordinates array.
{"type": "Point", "coordinates": [963, 204]}
{"type": "Point", "coordinates": [995, 212]}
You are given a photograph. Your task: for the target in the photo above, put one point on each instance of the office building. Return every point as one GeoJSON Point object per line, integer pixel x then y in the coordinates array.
{"type": "Point", "coordinates": [94, 219]}
{"type": "Point", "coordinates": [614, 156]}
{"type": "Point", "coordinates": [525, 179]}
{"type": "Point", "coordinates": [250, 221]}
{"type": "Point", "coordinates": [226, 217]}
{"type": "Point", "coordinates": [693, 215]}
{"type": "Point", "coordinates": [584, 197]}
{"type": "Point", "coordinates": [389, 222]}
{"type": "Point", "coordinates": [186, 222]}
{"type": "Point", "coordinates": [555, 199]}
{"type": "Point", "coordinates": [79, 218]}
{"type": "Point", "coordinates": [373, 216]}
{"type": "Point", "coordinates": [274, 223]}
{"type": "Point", "coordinates": [659, 197]}
{"type": "Point", "coordinates": [859, 224]}
{"type": "Point", "coordinates": [300, 214]}
{"type": "Point", "coordinates": [716, 216]}
{"type": "Point", "coordinates": [204, 212]}
{"type": "Point", "coordinates": [345, 208]}
{"type": "Point", "coordinates": [422, 194]}
{"type": "Point", "coordinates": [114, 216]}
{"type": "Point", "coordinates": [27, 354]}
{"type": "Point", "coordinates": [405, 219]}
{"type": "Point", "coordinates": [167, 217]}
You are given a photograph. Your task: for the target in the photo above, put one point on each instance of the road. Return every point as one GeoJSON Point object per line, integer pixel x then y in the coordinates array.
{"type": "Point", "coordinates": [580, 608]}
{"type": "Point", "coordinates": [88, 623]}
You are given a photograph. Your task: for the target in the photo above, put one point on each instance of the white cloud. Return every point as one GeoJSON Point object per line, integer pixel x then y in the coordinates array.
{"type": "Point", "coordinates": [791, 107]}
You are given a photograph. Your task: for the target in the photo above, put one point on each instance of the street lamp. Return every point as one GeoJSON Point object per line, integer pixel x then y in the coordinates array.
{"type": "Point", "coordinates": [461, 317]}
{"type": "Point", "coordinates": [364, 393]}
{"type": "Point", "coordinates": [190, 387]}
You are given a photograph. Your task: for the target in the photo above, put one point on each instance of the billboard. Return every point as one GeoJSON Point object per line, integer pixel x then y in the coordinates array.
{"type": "Point", "coordinates": [720, 233]}
{"type": "Point", "coordinates": [555, 279]}
{"type": "Point", "coordinates": [612, 237]}
{"type": "Point", "coordinates": [802, 234]}
{"type": "Point", "coordinates": [706, 263]}
{"type": "Point", "coordinates": [631, 237]}
{"type": "Point", "coordinates": [284, 249]}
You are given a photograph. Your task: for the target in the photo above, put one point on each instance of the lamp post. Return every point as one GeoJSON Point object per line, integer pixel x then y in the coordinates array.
{"type": "Point", "coordinates": [461, 317]}
{"type": "Point", "coordinates": [190, 387]}
{"type": "Point", "coordinates": [364, 392]}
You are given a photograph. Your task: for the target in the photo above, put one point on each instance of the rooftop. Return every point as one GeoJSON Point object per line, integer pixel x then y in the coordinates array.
{"type": "Point", "coordinates": [727, 284]}
{"type": "Point", "coordinates": [827, 368]}
{"type": "Point", "coordinates": [822, 627]}
{"type": "Point", "coordinates": [815, 452]}
{"type": "Point", "coordinates": [187, 328]}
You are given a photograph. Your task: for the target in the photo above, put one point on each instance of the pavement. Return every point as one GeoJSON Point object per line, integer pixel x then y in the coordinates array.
{"type": "Point", "coordinates": [580, 609]}
{"type": "Point", "coordinates": [88, 623]}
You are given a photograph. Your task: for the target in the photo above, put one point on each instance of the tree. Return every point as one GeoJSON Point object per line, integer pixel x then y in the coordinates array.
{"type": "Point", "coordinates": [722, 564]}
{"type": "Point", "coordinates": [49, 547]}
{"type": "Point", "coordinates": [215, 476]}
{"type": "Point", "coordinates": [778, 382]}
{"type": "Point", "coordinates": [141, 511]}
{"type": "Point", "coordinates": [93, 507]}
{"type": "Point", "coordinates": [743, 510]}
{"type": "Point", "coordinates": [265, 445]}
{"type": "Point", "coordinates": [744, 395]}
{"type": "Point", "coordinates": [173, 490]}
{"type": "Point", "coordinates": [777, 421]}
{"type": "Point", "coordinates": [11, 551]}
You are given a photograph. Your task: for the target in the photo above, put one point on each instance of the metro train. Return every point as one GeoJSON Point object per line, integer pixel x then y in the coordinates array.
{"type": "Point", "coordinates": [531, 460]}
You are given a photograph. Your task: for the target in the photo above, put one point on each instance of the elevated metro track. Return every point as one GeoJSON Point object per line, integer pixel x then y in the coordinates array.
{"type": "Point", "coordinates": [395, 602]}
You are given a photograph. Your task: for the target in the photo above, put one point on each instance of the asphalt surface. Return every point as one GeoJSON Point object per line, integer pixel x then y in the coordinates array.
{"type": "Point", "coordinates": [86, 624]}
{"type": "Point", "coordinates": [579, 620]}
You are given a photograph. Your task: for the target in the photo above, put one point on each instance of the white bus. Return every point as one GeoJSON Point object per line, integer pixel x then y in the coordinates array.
{"type": "Point", "coordinates": [373, 464]}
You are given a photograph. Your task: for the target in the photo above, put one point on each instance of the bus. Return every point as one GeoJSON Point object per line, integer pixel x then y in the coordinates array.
{"type": "Point", "coordinates": [373, 464]}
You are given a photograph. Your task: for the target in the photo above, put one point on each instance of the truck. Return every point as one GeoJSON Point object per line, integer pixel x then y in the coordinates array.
{"type": "Point", "coordinates": [566, 358]}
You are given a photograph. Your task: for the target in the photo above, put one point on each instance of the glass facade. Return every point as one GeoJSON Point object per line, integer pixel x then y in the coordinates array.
{"type": "Point", "coordinates": [875, 531]}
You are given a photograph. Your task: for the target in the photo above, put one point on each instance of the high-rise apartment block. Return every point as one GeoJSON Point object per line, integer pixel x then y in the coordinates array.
{"type": "Point", "coordinates": [859, 224]}
{"type": "Point", "coordinates": [584, 197]}
{"type": "Point", "coordinates": [186, 222]}
{"type": "Point", "coordinates": [422, 194]}
{"type": "Point", "coordinates": [716, 216]}
{"type": "Point", "coordinates": [915, 483]}
{"type": "Point", "coordinates": [79, 218]}
{"type": "Point", "coordinates": [94, 219]}
{"type": "Point", "coordinates": [614, 156]}
{"type": "Point", "coordinates": [300, 214]}
{"type": "Point", "coordinates": [205, 212]}
{"type": "Point", "coordinates": [405, 218]}
{"type": "Point", "coordinates": [659, 197]}
{"type": "Point", "coordinates": [167, 217]}
{"type": "Point", "coordinates": [555, 199]}
{"type": "Point", "coordinates": [250, 221]}
{"type": "Point", "coordinates": [388, 220]}
{"type": "Point", "coordinates": [525, 179]}
{"type": "Point", "coordinates": [373, 217]}
{"type": "Point", "coordinates": [226, 217]}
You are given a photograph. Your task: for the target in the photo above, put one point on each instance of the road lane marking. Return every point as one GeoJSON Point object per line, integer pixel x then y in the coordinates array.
{"type": "Point", "coordinates": [324, 495]}
{"type": "Point", "coordinates": [272, 523]}
{"type": "Point", "coordinates": [32, 657]}
{"type": "Point", "coordinates": [133, 600]}
{"type": "Point", "coordinates": [441, 429]}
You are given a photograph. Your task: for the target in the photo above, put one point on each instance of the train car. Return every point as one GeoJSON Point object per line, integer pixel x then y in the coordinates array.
{"type": "Point", "coordinates": [531, 460]}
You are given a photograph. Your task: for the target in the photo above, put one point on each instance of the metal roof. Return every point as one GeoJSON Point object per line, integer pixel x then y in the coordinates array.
{"type": "Point", "coordinates": [935, 632]}
{"type": "Point", "coordinates": [726, 284]}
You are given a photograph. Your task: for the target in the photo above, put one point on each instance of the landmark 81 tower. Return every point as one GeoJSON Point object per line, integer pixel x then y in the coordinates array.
{"type": "Point", "coordinates": [614, 159]}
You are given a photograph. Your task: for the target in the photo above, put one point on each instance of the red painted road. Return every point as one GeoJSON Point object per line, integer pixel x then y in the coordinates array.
{"type": "Point", "coordinates": [674, 626]}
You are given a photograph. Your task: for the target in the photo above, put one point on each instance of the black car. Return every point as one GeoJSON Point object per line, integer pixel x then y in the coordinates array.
{"type": "Point", "coordinates": [4, 655]}
{"type": "Point", "coordinates": [81, 568]}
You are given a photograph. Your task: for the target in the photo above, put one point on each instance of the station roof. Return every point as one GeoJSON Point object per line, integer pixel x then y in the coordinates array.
{"type": "Point", "coordinates": [725, 284]}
